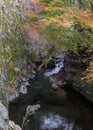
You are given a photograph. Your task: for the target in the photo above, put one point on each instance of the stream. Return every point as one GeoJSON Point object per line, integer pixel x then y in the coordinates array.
{"type": "Point", "coordinates": [62, 109]}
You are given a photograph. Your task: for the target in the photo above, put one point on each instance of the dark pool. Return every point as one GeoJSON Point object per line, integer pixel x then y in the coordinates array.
{"type": "Point", "coordinates": [60, 109]}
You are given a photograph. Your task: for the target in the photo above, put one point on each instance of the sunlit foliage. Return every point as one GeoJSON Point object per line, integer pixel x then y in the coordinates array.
{"type": "Point", "coordinates": [66, 25]}
{"type": "Point", "coordinates": [69, 24]}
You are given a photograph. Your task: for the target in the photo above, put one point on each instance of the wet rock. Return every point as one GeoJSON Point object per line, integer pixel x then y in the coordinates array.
{"type": "Point", "coordinates": [60, 83]}
{"type": "Point", "coordinates": [31, 76]}
{"type": "Point", "coordinates": [58, 80]}
{"type": "Point", "coordinates": [14, 126]}
{"type": "Point", "coordinates": [54, 86]}
{"type": "Point", "coordinates": [27, 83]}
{"type": "Point", "coordinates": [23, 89]}
{"type": "Point", "coordinates": [11, 98]}
{"type": "Point", "coordinates": [53, 83]}
{"type": "Point", "coordinates": [52, 79]}
{"type": "Point", "coordinates": [23, 79]}
{"type": "Point", "coordinates": [24, 82]}
{"type": "Point", "coordinates": [14, 95]}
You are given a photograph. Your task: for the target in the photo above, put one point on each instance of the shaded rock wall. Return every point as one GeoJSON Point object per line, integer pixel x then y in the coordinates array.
{"type": "Point", "coordinates": [5, 123]}
{"type": "Point", "coordinates": [75, 71]}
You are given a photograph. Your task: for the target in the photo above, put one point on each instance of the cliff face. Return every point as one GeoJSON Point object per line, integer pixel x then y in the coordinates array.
{"type": "Point", "coordinates": [80, 74]}
{"type": "Point", "coordinates": [5, 123]}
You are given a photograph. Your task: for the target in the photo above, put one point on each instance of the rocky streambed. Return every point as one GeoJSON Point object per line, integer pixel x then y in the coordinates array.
{"type": "Point", "coordinates": [61, 108]}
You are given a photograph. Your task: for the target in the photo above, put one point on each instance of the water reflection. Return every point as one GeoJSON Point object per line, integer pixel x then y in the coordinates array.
{"type": "Point", "coordinates": [56, 113]}
{"type": "Point", "coordinates": [51, 122]}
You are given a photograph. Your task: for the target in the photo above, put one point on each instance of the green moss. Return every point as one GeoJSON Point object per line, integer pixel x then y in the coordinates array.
{"type": "Point", "coordinates": [12, 40]}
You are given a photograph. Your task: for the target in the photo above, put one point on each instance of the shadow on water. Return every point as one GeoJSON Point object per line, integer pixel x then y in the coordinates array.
{"type": "Point", "coordinates": [60, 109]}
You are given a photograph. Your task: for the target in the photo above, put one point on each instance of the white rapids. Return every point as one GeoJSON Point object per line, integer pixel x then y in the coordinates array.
{"type": "Point", "coordinates": [59, 64]}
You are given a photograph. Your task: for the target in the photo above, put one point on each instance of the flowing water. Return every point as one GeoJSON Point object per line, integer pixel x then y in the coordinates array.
{"type": "Point", "coordinates": [58, 66]}
{"type": "Point", "coordinates": [60, 109]}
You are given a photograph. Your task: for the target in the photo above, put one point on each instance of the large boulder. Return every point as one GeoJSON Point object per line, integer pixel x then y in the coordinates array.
{"type": "Point", "coordinates": [14, 126]}
{"type": "Point", "coordinates": [5, 123]}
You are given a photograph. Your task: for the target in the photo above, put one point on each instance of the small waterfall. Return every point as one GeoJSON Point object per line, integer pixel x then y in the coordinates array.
{"type": "Point", "coordinates": [58, 63]}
